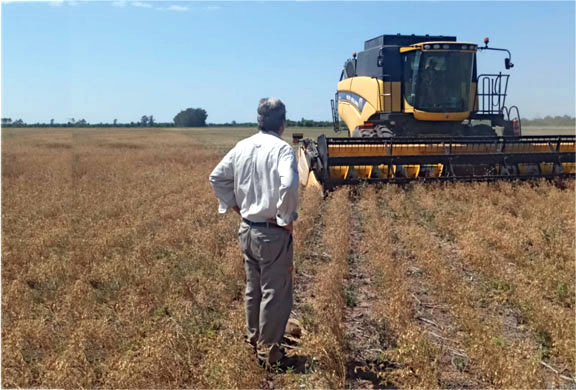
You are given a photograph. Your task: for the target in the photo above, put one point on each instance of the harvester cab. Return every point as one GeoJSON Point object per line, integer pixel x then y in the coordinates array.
{"type": "Point", "coordinates": [417, 108]}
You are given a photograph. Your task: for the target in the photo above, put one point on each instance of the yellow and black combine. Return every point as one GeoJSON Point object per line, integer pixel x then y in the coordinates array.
{"type": "Point", "coordinates": [416, 108]}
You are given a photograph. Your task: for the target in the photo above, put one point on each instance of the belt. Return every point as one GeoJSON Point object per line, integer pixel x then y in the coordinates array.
{"type": "Point", "coordinates": [267, 224]}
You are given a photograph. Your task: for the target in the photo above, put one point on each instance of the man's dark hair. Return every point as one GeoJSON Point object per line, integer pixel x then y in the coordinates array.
{"type": "Point", "coordinates": [271, 114]}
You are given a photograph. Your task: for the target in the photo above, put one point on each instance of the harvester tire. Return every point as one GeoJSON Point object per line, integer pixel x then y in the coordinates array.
{"type": "Point", "coordinates": [384, 132]}
{"type": "Point", "coordinates": [375, 132]}
{"type": "Point", "coordinates": [363, 133]}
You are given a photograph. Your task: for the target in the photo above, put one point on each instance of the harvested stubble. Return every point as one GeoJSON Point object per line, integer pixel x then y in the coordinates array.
{"type": "Point", "coordinates": [446, 231]}
{"type": "Point", "coordinates": [310, 208]}
{"type": "Point", "coordinates": [521, 239]}
{"type": "Point", "coordinates": [325, 344]}
{"type": "Point", "coordinates": [388, 263]}
{"type": "Point", "coordinates": [117, 270]}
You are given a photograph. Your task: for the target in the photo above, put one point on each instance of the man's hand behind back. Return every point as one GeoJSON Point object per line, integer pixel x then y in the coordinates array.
{"type": "Point", "coordinates": [289, 227]}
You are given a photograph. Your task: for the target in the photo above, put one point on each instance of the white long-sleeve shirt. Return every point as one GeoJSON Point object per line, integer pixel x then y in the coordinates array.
{"type": "Point", "coordinates": [260, 176]}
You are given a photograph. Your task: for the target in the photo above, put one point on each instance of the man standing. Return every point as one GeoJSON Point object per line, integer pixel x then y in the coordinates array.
{"type": "Point", "coordinates": [258, 179]}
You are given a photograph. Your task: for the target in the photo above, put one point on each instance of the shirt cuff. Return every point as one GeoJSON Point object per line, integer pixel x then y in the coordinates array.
{"type": "Point", "coordinates": [223, 207]}
{"type": "Point", "coordinates": [287, 220]}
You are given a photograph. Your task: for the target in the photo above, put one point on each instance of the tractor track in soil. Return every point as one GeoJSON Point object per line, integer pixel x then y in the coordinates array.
{"type": "Point", "coordinates": [367, 334]}
{"type": "Point", "coordinates": [366, 337]}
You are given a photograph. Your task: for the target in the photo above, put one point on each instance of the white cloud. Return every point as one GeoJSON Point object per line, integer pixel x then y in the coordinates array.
{"type": "Point", "coordinates": [141, 4]}
{"type": "Point", "coordinates": [22, 1]}
{"type": "Point", "coordinates": [177, 8]}
{"type": "Point", "coordinates": [121, 3]}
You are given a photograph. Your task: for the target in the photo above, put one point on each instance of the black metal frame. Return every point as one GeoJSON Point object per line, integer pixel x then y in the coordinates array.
{"type": "Point", "coordinates": [508, 62]}
{"type": "Point", "coordinates": [490, 97]}
{"type": "Point", "coordinates": [335, 116]}
{"type": "Point", "coordinates": [441, 179]}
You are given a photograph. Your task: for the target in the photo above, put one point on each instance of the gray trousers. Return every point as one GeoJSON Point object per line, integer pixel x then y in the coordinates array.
{"type": "Point", "coordinates": [268, 261]}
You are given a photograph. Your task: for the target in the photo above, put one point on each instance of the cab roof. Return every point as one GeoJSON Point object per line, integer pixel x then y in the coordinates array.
{"type": "Point", "coordinates": [404, 40]}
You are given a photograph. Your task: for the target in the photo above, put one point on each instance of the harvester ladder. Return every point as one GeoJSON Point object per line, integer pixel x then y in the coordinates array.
{"type": "Point", "coordinates": [335, 116]}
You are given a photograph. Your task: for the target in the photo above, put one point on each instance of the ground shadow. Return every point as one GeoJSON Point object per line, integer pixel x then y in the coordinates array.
{"type": "Point", "coordinates": [295, 364]}
{"type": "Point", "coordinates": [368, 370]}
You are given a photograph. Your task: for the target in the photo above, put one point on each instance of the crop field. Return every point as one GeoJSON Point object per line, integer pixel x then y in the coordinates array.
{"type": "Point", "coordinates": [118, 272]}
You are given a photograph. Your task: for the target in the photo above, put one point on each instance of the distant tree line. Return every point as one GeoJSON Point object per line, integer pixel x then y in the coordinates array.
{"type": "Point", "coordinates": [191, 117]}
{"type": "Point", "coordinates": [6, 122]}
{"type": "Point", "coordinates": [289, 123]}
{"type": "Point", "coordinates": [564, 120]}
{"type": "Point", "coordinates": [196, 117]}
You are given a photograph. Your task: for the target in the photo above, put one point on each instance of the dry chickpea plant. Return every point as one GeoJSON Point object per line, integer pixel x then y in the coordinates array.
{"type": "Point", "coordinates": [118, 272]}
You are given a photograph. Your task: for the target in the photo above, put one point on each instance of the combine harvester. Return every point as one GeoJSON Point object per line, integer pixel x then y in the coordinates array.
{"type": "Point", "coordinates": [417, 109]}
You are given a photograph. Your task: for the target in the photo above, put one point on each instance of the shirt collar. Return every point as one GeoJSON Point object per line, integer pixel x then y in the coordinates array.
{"type": "Point", "coordinates": [270, 133]}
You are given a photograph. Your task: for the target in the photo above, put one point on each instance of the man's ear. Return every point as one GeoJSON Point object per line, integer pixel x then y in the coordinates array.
{"type": "Point", "coordinates": [282, 128]}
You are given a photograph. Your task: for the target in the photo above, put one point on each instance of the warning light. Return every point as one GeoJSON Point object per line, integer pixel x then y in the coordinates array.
{"type": "Point", "coordinates": [367, 125]}
{"type": "Point", "coordinates": [516, 128]}
{"type": "Point", "coordinates": [486, 40]}
{"type": "Point", "coordinates": [354, 54]}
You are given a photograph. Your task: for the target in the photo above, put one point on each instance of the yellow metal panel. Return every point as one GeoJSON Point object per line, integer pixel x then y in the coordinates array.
{"type": "Point", "coordinates": [441, 116]}
{"type": "Point", "coordinates": [568, 147]}
{"type": "Point", "coordinates": [569, 167]}
{"type": "Point", "coordinates": [546, 168]}
{"type": "Point", "coordinates": [386, 96]}
{"type": "Point", "coordinates": [473, 97]}
{"type": "Point", "coordinates": [366, 87]}
{"type": "Point", "coordinates": [412, 171]}
{"type": "Point", "coordinates": [344, 85]}
{"type": "Point", "coordinates": [350, 115]}
{"type": "Point", "coordinates": [339, 172]}
{"type": "Point", "coordinates": [436, 170]}
{"type": "Point", "coordinates": [384, 170]}
{"type": "Point", "coordinates": [312, 182]}
{"type": "Point", "coordinates": [379, 96]}
{"type": "Point", "coordinates": [408, 107]}
{"type": "Point", "coordinates": [396, 96]}
{"type": "Point", "coordinates": [363, 171]}
{"type": "Point", "coordinates": [407, 49]}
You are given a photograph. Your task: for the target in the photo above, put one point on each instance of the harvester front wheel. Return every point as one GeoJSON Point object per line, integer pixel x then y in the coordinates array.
{"type": "Point", "coordinates": [373, 132]}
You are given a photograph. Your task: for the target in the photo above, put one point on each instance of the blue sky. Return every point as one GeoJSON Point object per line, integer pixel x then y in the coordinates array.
{"type": "Point", "coordinates": [120, 60]}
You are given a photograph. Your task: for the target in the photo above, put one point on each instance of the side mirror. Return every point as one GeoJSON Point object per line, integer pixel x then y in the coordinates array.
{"type": "Point", "coordinates": [508, 64]}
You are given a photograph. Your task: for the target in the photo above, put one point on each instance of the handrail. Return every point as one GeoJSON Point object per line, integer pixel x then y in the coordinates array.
{"type": "Point", "coordinates": [491, 93]}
